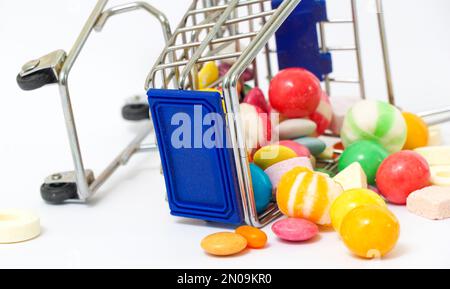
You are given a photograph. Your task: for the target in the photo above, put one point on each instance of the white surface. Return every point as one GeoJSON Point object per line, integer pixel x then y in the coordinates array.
{"type": "Point", "coordinates": [128, 223]}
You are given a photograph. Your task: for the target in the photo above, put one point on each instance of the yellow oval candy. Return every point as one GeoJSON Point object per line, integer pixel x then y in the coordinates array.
{"type": "Point", "coordinates": [208, 75]}
{"type": "Point", "coordinates": [270, 155]}
{"type": "Point", "coordinates": [224, 244]}
{"type": "Point", "coordinates": [350, 200]}
{"type": "Point", "coordinates": [305, 194]}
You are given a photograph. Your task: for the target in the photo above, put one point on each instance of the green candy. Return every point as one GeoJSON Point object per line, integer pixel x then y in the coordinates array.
{"type": "Point", "coordinates": [368, 154]}
{"type": "Point", "coordinates": [315, 145]}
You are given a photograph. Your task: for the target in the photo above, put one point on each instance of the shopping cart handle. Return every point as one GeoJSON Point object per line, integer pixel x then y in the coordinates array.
{"type": "Point", "coordinates": [39, 72]}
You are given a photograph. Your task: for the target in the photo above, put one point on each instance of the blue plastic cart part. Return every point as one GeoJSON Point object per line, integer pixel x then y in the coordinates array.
{"type": "Point", "coordinates": [298, 40]}
{"type": "Point", "coordinates": [198, 165]}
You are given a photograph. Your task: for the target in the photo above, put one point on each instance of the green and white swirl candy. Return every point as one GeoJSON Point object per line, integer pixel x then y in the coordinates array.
{"type": "Point", "coordinates": [376, 121]}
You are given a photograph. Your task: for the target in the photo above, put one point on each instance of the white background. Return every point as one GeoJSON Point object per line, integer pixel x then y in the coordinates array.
{"type": "Point", "coordinates": [128, 223]}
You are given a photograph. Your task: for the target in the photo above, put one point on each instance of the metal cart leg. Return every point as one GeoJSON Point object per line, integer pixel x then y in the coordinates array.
{"type": "Point", "coordinates": [55, 68]}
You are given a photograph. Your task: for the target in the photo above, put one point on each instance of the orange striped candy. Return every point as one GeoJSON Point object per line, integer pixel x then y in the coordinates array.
{"type": "Point", "coordinates": [305, 194]}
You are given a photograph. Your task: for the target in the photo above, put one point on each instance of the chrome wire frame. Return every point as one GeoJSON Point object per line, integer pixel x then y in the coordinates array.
{"type": "Point", "coordinates": [205, 31]}
{"type": "Point", "coordinates": [97, 20]}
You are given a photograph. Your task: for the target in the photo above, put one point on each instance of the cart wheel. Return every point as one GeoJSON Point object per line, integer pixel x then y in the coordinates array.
{"type": "Point", "coordinates": [136, 112]}
{"type": "Point", "coordinates": [58, 193]}
{"type": "Point", "coordinates": [35, 80]}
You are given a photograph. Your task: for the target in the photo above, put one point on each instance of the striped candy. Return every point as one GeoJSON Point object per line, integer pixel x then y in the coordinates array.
{"type": "Point", "coordinates": [376, 121]}
{"type": "Point", "coordinates": [323, 115]}
{"type": "Point", "coordinates": [305, 194]}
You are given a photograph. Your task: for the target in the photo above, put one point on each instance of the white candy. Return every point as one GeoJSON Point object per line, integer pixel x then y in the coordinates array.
{"type": "Point", "coordinates": [440, 175]}
{"type": "Point", "coordinates": [296, 128]}
{"type": "Point", "coordinates": [435, 155]}
{"type": "Point", "coordinates": [353, 177]}
{"type": "Point", "coordinates": [18, 226]}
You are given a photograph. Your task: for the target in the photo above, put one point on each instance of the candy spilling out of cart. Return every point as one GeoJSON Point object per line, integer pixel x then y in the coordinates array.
{"type": "Point", "coordinates": [384, 156]}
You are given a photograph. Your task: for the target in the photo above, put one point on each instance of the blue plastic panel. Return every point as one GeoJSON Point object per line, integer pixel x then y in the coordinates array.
{"type": "Point", "coordinates": [200, 179]}
{"type": "Point", "coordinates": [298, 39]}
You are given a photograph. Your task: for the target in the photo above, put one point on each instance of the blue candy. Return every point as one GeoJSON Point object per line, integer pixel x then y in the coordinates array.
{"type": "Point", "coordinates": [262, 188]}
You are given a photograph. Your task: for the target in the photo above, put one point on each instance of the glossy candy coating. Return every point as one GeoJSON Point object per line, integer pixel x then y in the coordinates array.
{"type": "Point", "coordinates": [295, 230]}
{"type": "Point", "coordinates": [323, 116]}
{"type": "Point", "coordinates": [224, 244]}
{"type": "Point", "coordinates": [314, 145]}
{"type": "Point", "coordinates": [262, 188]}
{"type": "Point", "coordinates": [208, 75]}
{"type": "Point", "coordinates": [417, 131]}
{"type": "Point", "coordinates": [295, 92]}
{"type": "Point", "coordinates": [299, 149]}
{"type": "Point", "coordinates": [256, 239]}
{"type": "Point", "coordinates": [302, 193]}
{"type": "Point", "coordinates": [375, 121]}
{"type": "Point", "coordinates": [401, 174]}
{"type": "Point", "coordinates": [256, 97]}
{"type": "Point", "coordinates": [350, 200]}
{"type": "Point", "coordinates": [295, 128]}
{"type": "Point", "coordinates": [368, 154]}
{"type": "Point", "coordinates": [270, 155]}
{"type": "Point", "coordinates": [370, 231]}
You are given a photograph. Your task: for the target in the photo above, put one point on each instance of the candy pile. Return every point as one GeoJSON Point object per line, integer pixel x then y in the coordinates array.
{"type": "Point", "coordinates": [384, 155]}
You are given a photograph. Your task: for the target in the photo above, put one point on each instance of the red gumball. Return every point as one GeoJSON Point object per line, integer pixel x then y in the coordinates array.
{"type": "Point", "coordinates": [295, 92]}
{"type": "Point", "coordinates": [401, 174]}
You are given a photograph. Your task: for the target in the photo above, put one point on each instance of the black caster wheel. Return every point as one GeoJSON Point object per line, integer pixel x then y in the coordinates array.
{"type": "Point", "coordinates": [58, 193]}
{"type": "Point", "coordinates": [136, 112]}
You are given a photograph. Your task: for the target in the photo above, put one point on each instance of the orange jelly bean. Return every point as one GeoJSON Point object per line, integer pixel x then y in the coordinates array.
{"type": "Point", "coordinates": [256, 238]}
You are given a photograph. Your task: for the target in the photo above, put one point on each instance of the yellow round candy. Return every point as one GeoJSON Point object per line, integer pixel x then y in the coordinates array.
{"type": "Point", "coordinates": [270, 155]}
{"type": "Point", "coordinates": [370, 231]}
{"type": "Point", "coordinates": [208, 75]}
{"type": "Point", "coordinates": [305, 194]}
{"type": "Point", "coordinates": [350, 200]}
{"type": "Point", "coordinates": [418, 132]}
{"type": "Point", "coordinates": [224, 244]}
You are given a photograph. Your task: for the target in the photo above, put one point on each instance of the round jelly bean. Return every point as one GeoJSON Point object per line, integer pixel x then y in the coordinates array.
{"type": "Point", "coordinates": [262, 188]}
{"type": "Point", "coordinates": [276, 171]}
{"type": "Point", "coordinates": [224, 244]}
{"type": "Point", "coordinates": [208, 75]}
{"type": "Point", "coordinates": [256, 239]}
{"type": "Point", "coordinates": [296, 128]}
{"type": "Point", "coordinates": [315, 145]}
{"type": "Point", "coordinates": [303, 193]}
{"type": "Point", "coordinates": [368, 154]}
{"type": "Point", "coordinates": [295, 230]}
{"type": "Point", "coordinates": [299, 149]}
{"type": "Point", "coordinates": [375, 121]}
{"type": "Point", "coordinates": [270, 155]}
{"type": "Point", "coordinates": [350, 200]}
{"type": "Point", "coordinates": [256, 125]}
{"type": "Point", "coordinates": [256, 97]}
{"type": "Point", "coordinates": [401, 174]}
{"type": "Point", "coordinates": [295, 92]}
{"type": "Point", "coordinates": [323, 116]}
{"type": "Point", "coordinates": [417, 131]}
{"type": "Point", "coordinates": [370, 231]}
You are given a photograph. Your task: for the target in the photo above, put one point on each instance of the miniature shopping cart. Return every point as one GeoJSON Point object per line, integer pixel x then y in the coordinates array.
{"type": "Point", "coordinates": [208, 183]}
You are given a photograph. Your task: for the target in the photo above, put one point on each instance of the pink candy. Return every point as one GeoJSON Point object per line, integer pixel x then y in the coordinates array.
{"type": "Point", "coordinates": [295, 230]}
{"type": "Point", "coordinates": [299, 149]}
